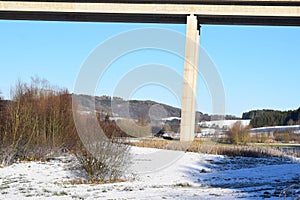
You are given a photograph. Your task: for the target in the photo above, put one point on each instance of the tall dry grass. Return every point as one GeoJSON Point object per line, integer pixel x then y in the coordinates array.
{"type": "Point", "coordinates": [201, 146]}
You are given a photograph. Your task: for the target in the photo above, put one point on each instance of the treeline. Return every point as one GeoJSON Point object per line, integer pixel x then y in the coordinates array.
{"type": "Point", "coordinates": [261, 118]}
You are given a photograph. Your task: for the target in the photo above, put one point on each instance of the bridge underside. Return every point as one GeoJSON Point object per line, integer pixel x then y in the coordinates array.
{"type": "Point", "coordinates": [149, 18]}
{"type": "Point", "coordinates": [223, 12]}
{"type": "Point", "coordinates": [195, 2]}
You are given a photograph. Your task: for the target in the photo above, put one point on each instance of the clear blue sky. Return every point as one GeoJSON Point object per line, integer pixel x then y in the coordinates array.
{"type": "Point", "coordinates": [259, 66]}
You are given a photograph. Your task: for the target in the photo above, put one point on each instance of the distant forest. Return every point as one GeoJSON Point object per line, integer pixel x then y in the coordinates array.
{"type": "Point", "coordinates": [260, 118]}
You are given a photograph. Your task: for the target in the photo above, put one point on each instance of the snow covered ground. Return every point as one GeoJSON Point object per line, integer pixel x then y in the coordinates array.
{"type": "Point", "coordinates": [191, 176]}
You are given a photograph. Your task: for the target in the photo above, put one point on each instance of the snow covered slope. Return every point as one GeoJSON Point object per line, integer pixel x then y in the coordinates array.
{"type": "Point", "coordinates": [191, 176]}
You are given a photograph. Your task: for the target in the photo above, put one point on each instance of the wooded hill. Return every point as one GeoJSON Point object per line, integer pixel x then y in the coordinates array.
{"type": "Point", "coordinates": [137, 108]}
{"type": "Point", "coordinates": [261, 118]}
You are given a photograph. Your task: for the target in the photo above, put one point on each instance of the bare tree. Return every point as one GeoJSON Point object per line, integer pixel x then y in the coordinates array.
{"type": "Point", "coordinates": [37, 121]}
{"type": "Point", "coordinates": [238, 133]}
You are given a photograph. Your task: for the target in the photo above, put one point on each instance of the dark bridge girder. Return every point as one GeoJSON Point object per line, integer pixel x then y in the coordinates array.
{"type": "Point", "coordinates": [199, 2]}
{"type": "Point", "coordinates": [148, 18]}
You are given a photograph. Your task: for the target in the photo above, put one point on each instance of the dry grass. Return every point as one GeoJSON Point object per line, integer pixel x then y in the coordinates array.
{"type": "Point", "coordinates": [89, 182]}
{"type": "Point", "coordinates": [158, 144]}
{"type": "Point", "coordinates": [201, 146]}
{"type": "Point", "coordinates": [247, 151]}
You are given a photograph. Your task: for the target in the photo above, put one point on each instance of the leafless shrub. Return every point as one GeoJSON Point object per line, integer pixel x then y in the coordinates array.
{"type": "Point", "coordinates": [238, 133]}
{"type": "Point", "coordinates": [102, 154]}
{"type": "Point", "coordinates": [106, 163]}
{"type": "Point", "coordinates": [36, 122]}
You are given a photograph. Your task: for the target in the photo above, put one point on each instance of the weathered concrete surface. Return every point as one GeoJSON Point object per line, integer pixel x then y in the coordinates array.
{"type": "Point", "coordinates": [187, 127]}
{"type": "Point", "coordinates": [256, 12]}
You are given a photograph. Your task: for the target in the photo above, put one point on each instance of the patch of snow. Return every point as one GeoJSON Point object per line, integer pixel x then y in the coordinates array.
{"type": "Point", "coordinates": [276, 128]}
{"type": "Point", "coordinates": [170, 118]}
{"type": "Point", "coordinates": [223, 123]}
{"type": "Point", "coordinates": [190, 176]}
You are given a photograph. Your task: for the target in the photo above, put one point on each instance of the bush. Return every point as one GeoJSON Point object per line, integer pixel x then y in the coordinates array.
{"type": "Point", "coordinates": [104, 161]}
{"type": "Point", "coordinates": [102, 152]}
{"type": "Point", "coordinates": [36, 122]}
{"type": "Point", "coordinates": [238, 133]}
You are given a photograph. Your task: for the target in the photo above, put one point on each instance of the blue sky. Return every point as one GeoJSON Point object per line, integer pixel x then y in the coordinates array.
{"type": "Point", "coordinates": [259, 66]}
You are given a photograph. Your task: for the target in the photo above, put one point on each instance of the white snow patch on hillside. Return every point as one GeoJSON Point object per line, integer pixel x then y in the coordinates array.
{"type": "Point", "coordinates": [223, 123]}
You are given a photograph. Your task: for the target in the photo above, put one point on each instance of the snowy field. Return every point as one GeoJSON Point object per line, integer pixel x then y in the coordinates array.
{"type": "Point", "coordinates": [223, 123]}
{"type": "Point", "coordinates": [192, 176]}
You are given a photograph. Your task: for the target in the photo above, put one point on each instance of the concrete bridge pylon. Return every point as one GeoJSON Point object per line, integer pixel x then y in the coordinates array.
{"type": "Point", "coordinates": [189, 105]}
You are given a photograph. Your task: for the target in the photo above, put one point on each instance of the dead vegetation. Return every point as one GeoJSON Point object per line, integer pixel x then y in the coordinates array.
{"type": "Point", "coordinates": [38, 123]}
{"type": "Point", "coordinates": [201, 146]}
